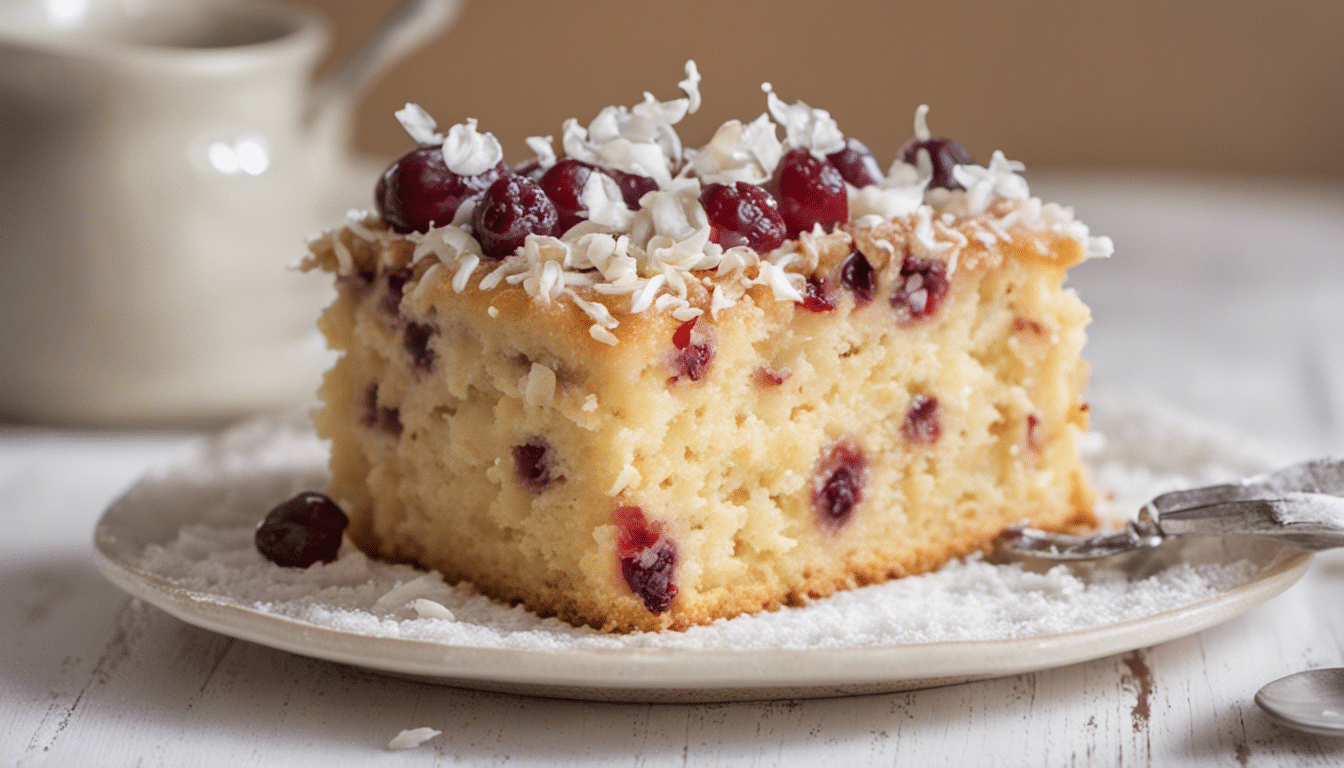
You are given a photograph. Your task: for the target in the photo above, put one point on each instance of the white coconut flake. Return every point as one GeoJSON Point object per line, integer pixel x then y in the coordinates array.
{"type": "Point", "coordinates": [539, 386]}
{"type": "Point", "coordinates": [468, 152]}
{"type": "Point", "coordinates": [412, 738]}
{"type": "Point", "coordinates": [428, 609]}
{"type": "Point", "coordinates": [654, 254]}
{"type": "Point", "coordinates": [541, 145]}
{"type": "Point", "coordinates": [691, 87]}
{"type": "Point", "coordinates": [345, 261]}
{"type": "Point", "coordinates": [804, 126]}
{"type": "Point", "coordinates": [419, 124]}
{"type": "Point", "coordinates": [603, 203]}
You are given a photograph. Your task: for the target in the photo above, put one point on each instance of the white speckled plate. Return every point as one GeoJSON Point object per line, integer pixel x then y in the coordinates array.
{"type": "Point", "coordinates": [227, 481]}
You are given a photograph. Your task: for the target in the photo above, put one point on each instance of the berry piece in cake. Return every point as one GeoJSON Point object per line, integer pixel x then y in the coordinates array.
{"type": "Point", "coordinates": [563, 184]}
{"type": "Point", "coordinates": [858, 276]}
{"type": "Point", "coordinates": [837, 487]}
{"type": "Point", "coordinates": [742, 214]}
{"type": "Point", "coordinates": [694, 354]}
{"type": "Point", "coordinates": [396, 284]}
{"type": "Point", "coordinates": [922, 423]}
{"type": "Point", "coordinates": [301, 531]}
{"type": "Point", "coordinates": [944, 155]}
{"type": "Point", "coordinates": [1034, 436]}
{"type": "Point", "coordinates": [417, 190]}
{"type": "Point", "coordinates": [856, 164]}
{"type": "Point", "coordinates": [383, 417]}
{"type": "Point", "coordinates": [533, 462]}
{"type": "Point", "coordinates": [632, 186]}
{"type": "Point", "coordinates": [810, 191]}
{"type": "Point", "coordinates": [920, 289]}
{"type": "Point", "coordinates": [817, 295]}
{"type": "Point", "coordinates": [648, 558]}
{"type": "Point", "coordinates": [415, 338]}
{"type": "Point", "coordinates": [511, 209]}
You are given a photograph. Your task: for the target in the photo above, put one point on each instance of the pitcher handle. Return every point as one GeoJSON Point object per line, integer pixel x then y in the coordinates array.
{"type": "Point", "coordinates": [411, 25]}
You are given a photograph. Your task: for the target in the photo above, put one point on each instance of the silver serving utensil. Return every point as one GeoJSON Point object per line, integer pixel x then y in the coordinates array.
{"type": "Point", "coordinates": [1311, 701]}
{"type": "Point", "coordinates": [1301, 505]}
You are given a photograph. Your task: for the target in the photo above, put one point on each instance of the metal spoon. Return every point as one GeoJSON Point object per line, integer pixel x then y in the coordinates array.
{"type": "Point", "coordinates": [1301, 505]}
{"type": "Point", "coordinates": [1311, 701]}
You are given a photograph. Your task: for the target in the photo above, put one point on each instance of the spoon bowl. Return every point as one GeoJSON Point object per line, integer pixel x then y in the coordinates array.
{"type": "Point", "coordinates": [1311, 701]}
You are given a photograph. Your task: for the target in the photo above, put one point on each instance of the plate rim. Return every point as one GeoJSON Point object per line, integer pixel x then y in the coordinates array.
{"type": "Point", "coordinates": [571, 671]}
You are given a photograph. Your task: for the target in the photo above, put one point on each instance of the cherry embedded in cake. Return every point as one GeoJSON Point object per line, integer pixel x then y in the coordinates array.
{"type": "Point", "coordinates": [643, 384]}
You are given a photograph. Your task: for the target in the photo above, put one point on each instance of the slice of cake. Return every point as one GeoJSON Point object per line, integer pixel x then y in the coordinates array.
{"type": "Point", "coordinates": [642, 387]}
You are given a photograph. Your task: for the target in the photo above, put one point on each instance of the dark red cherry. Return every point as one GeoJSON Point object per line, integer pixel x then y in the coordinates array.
{"type": "Point", "coordinates": [396, 286]}
{"type": "Point", "coordinates": [856, 164]}
{"type": "Point", "coordinates": [810, 191]}
{"type": "Point", "coordinates": [415, 339]}
{"type": "Point", "coordinates": [632, 185]}
{"type": "Point", "coordinates": [301, 531]}
{"type": "Point", "coordinates": [695, 355]}
{"type": "Point", "coordinates": [920, 289]}
{"type": "Point", "coordinates": [922, 423]}
{"type": "Point", "coordinates": [533, 462]}
{"type": "Point", "coordinates": [648, 558]}
{"type": "Point", "coordinates": [838, 485]}
{"type": "Point", "coordinates": [817, 295]}
{"type": "Point", "coordinates": [386, 418]}
{"type": "Point", "coordinates": [742, 214]}
{"type": "Point", "coordinates": [418, 190]}
{"type": "Point", "coordinates": [944, 154]}
{"type": "Point", "coordinates": [857, 275]}
{"type": "Point", "coordinates": [563, 183]}
{"type": "Point", "coordinates": [511, 209]}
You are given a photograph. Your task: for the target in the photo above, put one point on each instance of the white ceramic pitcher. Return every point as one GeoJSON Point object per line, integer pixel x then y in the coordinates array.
{"type": "Point", "coordinates": [161, 165]}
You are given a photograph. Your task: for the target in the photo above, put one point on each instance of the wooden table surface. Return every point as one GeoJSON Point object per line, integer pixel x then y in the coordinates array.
{"type": "Point", "coordinates": [1225, 299]}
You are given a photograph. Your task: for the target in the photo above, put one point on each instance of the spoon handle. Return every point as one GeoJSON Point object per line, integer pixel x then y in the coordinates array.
{"type": "Point", "coordinates": [1302, 505]}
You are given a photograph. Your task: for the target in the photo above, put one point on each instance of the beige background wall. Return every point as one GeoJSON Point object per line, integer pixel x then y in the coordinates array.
{"type": "Point", "coordinates": [1246, 86]}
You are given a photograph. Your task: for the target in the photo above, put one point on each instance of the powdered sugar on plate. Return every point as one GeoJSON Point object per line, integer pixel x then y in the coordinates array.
{"type": "Point", "coordinates": [228, 483]}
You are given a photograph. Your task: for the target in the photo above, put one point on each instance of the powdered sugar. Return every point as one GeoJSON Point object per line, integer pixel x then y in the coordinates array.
{"type": "Point", "coordinates": [213, 557]}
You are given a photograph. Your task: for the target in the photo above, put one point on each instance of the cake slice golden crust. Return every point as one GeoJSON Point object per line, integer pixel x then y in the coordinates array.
{"type": "Point", "coordinates": [744, 460]}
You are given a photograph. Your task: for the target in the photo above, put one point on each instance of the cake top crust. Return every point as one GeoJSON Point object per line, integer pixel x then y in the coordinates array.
{"type": "Point", "coordinates": [642, 240]}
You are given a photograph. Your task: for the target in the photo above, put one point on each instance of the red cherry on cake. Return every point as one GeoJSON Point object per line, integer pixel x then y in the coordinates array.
{"type": "Point", "coordinates": [563, 183]}
{"type": "Point", "coordinates": [837, 487]}
{"type": "Point", "coordinates": [742, 214]}
{"type": "Point", "coordinates": [648, 558]}
{"type": "Point", "coordinates": [944, 154]}
{"type": "Point", "coordinates": [303, 530]}
{"type": "Point", "coordinates": [810, 191]}
{"type": "Point", "coordinates": [632, 186]}
{"type": "Point", "coordinates": [817, 295]}
{"type": "Point", "coordinates": [511, 209]}
{"type": "Point", "coordinates": [920, 289]}
{"type": "Point", "coordinates": [856, 164]}
{"type": "Point", "coordinates": [417, 190]}
{"type": "Point", "coordinates": [858, 276]}
{"type": "Point", "coordinates": [922, 423]}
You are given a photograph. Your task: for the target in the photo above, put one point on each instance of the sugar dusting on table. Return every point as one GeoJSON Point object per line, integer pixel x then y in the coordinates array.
{"type": "Point", "coordinates": [969, 599]}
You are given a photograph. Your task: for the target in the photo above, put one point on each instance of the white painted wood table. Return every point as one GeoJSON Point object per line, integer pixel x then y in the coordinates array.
{"type": "Point", "coordinates": [1225, 299]}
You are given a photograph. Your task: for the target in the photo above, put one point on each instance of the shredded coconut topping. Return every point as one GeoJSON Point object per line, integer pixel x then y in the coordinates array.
{"type": "Point", "coordinates": [467, 152]}
{"type": "Point", "coordinates": [658, 255]}
{"type": "Point", "coordinates": [419, 124]}
{"type": "Point", "coordinates": [804, 126]}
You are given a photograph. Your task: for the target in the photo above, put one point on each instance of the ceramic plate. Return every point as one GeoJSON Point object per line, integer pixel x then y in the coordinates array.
{"type": "Point", "coordinates": [220, 481]}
